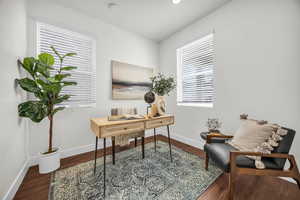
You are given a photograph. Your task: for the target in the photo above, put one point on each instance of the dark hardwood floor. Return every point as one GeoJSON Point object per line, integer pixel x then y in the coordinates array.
{"type": "Point", "coordinates": [36, 186]}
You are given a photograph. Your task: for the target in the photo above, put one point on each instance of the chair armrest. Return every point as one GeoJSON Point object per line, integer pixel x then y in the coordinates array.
{"type": "Point", "coordinates": [249, 153]}
{"type": "Point", "coordinates": [235, 154]}
{"type": "Point", "coordinates": [217, 135]}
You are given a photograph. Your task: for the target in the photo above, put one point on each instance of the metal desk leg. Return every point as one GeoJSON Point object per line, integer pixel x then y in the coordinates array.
{"type": "Point", "coordinates": [104, 164]}
{"type": "Point", "coordinates": [95, 159]}
{"type": "Point", "coordinates": [154, 139]}
{"type": "Point", "coordinates": [143, 147]}
{"type": "Point", "coordinates": [113, 150]}
{"type": "Point", "coordinates": [170, 143]}
{"type": "Point", "coordinates": [135, 142]}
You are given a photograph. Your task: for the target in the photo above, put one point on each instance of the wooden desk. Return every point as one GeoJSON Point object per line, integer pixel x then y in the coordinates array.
{"type": "Point", "coordinates": [103, 128]}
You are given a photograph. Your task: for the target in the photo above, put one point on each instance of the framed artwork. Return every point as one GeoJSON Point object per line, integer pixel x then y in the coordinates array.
{"type": "Point", "coordinates": [130, 82]}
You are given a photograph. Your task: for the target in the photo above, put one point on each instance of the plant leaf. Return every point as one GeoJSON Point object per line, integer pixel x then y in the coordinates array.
{"type": "Point", "coordinates": [35, 110]}
{"type": "Point", "coordinates": [162, 85]}
{"type": "Point", "coordinates": [41, 83]}
{"type": "Point", "coordinates": [69, 55]}
{"type": "Point", "coordinates": [68, 68]}
{"type": "Point", "coordinates": [46, 59]}
{"type": "Point", "coordinates": [43, 69]}
{"type": "Point", "coordinates": [53, 80]}
{"type": "Point", "coordinates": [42, 96]}
{"type": "Point", "coordinates": [28, 65]}
{"type": "Point", "coordinates": [57, 109]}
{"type": "Point", "coordinates": [60, 77]}
{"type": "Point", "coordinates": [67, 83]}
{"type": "Point", "coordinates": [56, 52]}
{"type": "Point", "coordinates": [53, 88]}
{"type": "Point", "coordinates": [61, 99]}
{"type": "Point", "coordinates": [28, 85]}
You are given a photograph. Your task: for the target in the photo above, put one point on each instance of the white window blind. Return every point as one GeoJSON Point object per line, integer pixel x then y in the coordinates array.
{"type": "Point", "coordinates": [195, 70]}
{"type": "Point", "coordinates": [65, 41]}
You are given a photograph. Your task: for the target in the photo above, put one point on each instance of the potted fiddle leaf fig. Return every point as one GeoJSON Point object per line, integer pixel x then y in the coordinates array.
{"type": "Point", "coordinates": [45, 82]}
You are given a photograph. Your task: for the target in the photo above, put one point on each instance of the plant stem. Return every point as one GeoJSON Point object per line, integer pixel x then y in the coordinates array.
{"type": "Point", "coordinates": [50, 133]}
{"type": "Point", "coordinates": [50, 117]}
{"type": "Point", "coordinates": [60, 65]}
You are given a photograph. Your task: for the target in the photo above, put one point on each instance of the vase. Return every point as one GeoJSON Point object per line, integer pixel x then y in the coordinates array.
{"type": "Point", "coordinates": [161, 105]}
{"type": "Point", "coordinates": [49, 162]}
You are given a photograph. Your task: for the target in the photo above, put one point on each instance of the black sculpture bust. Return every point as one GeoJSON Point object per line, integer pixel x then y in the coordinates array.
{"type": "Point", "coordinates": [149, 97]}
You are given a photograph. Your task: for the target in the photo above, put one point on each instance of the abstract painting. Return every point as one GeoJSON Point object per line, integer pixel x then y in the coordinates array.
{"type": "Point", "coordinates": [130, 82]}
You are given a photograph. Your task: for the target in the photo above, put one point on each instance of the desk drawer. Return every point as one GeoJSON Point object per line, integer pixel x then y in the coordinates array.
{"type": "Point", "coordinates": [159, 122]}
{"type": "Point", "coordinates": [122, 129]}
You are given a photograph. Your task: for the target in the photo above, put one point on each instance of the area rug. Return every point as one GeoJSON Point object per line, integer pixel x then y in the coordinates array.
{"type": "Point", "coordinates": [134, 178]}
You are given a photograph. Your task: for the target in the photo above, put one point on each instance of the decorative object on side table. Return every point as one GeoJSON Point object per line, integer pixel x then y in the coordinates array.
{"type": "Point", "coordinates": [213, 125]}
{"type": "Point", "coordinates": [161, 86]}
{"type": "Point", "coordinates": [46, 88]}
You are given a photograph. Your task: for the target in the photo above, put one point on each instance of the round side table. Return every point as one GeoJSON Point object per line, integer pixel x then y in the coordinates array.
{"type": "Point", "coordinates": [203, 135]}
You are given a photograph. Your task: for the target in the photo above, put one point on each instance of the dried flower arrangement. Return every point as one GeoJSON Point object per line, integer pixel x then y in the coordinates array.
{"type": "Point", "coordinates": [213, 125]}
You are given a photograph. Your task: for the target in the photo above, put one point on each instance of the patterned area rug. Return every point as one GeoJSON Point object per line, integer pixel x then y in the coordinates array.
{"type": "Point", "coordinates": [133, 178]}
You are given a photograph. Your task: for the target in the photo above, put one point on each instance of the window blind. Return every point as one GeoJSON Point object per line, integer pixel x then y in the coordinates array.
{"type": "Point", "coordinates": [65, 41]}
{"type": "Point", "coordinates": [195, 69]}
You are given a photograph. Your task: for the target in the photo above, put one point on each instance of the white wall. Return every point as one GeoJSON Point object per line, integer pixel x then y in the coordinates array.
{"type": "Point", "coordinates": [71, 127]}
{"type": "Point", "coordinates": [257, 67]}
{"type": "Point", "coordinates": [12, 136]}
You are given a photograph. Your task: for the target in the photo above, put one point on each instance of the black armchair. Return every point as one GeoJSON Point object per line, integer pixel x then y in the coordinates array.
{"type": "Point", "coordinates": [232, 161]}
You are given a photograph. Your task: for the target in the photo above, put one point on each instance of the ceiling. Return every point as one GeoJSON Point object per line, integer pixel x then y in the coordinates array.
{"type": "Point", "coordinates": [154, 19]}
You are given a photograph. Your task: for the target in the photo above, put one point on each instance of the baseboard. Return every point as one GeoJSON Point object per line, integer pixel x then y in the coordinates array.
{"type": "Point", "coordinates": [87, 148]}
{"type": "Point", "coordinates": [64, 153]}
{"type": "Point", "coordinates": [16, 183]}
{"type": "Point", "coordinates": [195, 143]}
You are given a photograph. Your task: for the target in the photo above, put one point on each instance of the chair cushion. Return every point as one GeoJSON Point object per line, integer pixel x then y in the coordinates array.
{"type": "Point", "coordinates": [252, 134]}
{"type": "Point", "coordinates": [220, 153]}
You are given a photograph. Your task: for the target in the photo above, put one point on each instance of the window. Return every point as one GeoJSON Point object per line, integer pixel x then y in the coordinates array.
{"type": "Point", "coordinates": [195, 67]}
{"type": "Point", "coordinates": [65, 41]}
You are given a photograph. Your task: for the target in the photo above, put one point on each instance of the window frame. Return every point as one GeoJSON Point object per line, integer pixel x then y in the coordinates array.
{"type": "Point", "coordinates": [180, 73]}
{"type": "Point", "coordinates": [93, 60]}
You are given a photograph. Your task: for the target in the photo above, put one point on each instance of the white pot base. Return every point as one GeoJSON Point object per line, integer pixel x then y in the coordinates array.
{"type": "Point", "coordinates": [49, 162]}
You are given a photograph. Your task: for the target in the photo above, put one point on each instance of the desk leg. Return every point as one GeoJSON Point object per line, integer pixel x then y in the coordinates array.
{"type": "Point", "coordinates": [135, 142]}
{"type": "Point", "coordinates": [104, 165]}
{"type": "Point", "coordinates": [113, 150]}
{"type": "Point", "coordinates": [143, 147]}
{"type": "Point", "coordinates": [170, 143]}
{"type": "Point", "coordinates": [95, 160]}
{"type": "Point", "coordinates": [154, 139]}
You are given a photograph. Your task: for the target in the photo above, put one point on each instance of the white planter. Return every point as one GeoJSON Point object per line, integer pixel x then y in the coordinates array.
{"type": "Point", "coordinates": [49, 162]}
